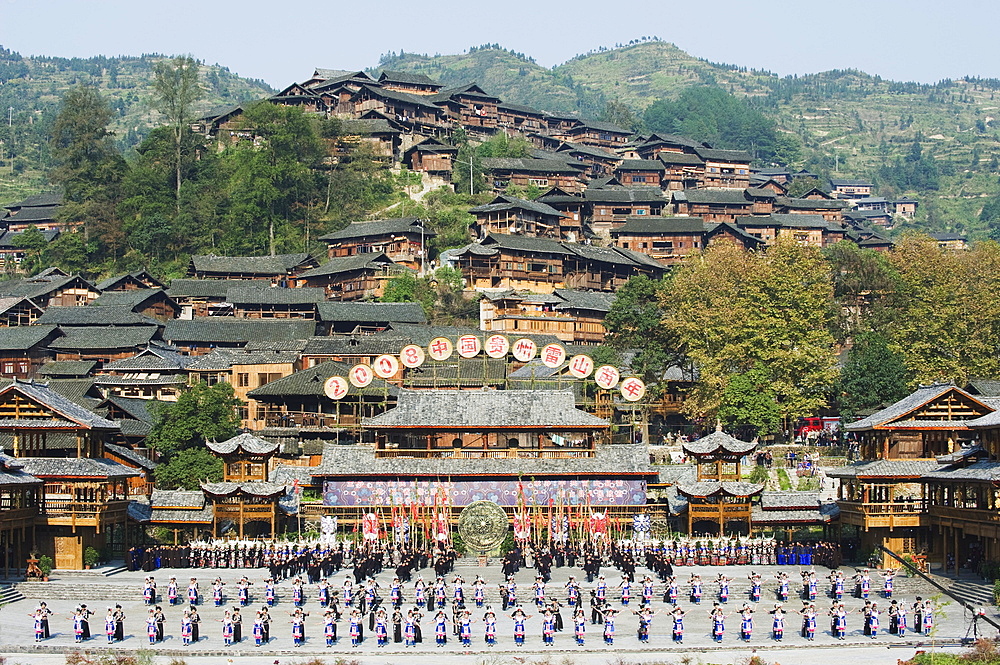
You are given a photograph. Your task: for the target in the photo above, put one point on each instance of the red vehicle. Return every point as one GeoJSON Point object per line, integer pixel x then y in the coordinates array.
{"type": "Point", "coordinates": [815, 425]}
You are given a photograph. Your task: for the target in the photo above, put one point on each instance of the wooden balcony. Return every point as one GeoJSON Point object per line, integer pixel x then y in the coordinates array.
{"type": "Point", "coordinates": [73, 513]}
{"type": "Point", "coordinates": [308, 419]}
{"type": "Point", "coordinates": [981, 522]}
{"type": "Point", "coordinates": [883, 515]}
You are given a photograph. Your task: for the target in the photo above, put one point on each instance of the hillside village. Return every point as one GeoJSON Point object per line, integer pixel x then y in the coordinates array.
{"type": "Point", "coordinates": [319, 362]}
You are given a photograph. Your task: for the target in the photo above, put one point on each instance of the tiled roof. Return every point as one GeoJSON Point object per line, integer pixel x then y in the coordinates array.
{"type": "Point", "coordinates": [342, 264]}
{"type": "Point", "coordinates": [208, 329]}
{"type": "Point", "coordinates": [134, 407]}
{"type": "Point", "coordinates": [820, 514]}
{"type": "Point", "coordinates": [245, 443]}
{"type": "Point", "coordinates": [12, 472]}
{"type": "Point", "coordinates": [504, 202]}
{"type": "Point", "coordinates": [309, 382]}
{"type": "Point", "coordinates": [680, 159]}
{"type": "Point", "coordinates": [388, 76]}
{"type": "Point", "coordinates": [61, 405]}
{"type": "Point", "coordinates": [177, 499]}
{"type": "Point", "coordinates": [524, 243]}
{"type": "Point", "coordinates": [646, 224]}
{"type": "Point", "coordinates": [131, 456]}
{"type": "Point", "coordinates": [101, 337]}
{"type": "Point", "coordinates": [641, 165]}
{"type": "Point", "coordinates": [22, 338]}
{"type": "Point", "coordinates": [719, 443]}
{"type": "Point", "coordinates": [111, 315]}
{"type": "Point", "coordinates": [811, 204]}
{"type": "Point", "coordinates": [717, 196]}
{"type": "Point", "coordinates": [610, 195]}
{"type": "Point", "coordinates": [354, 461]}
{"type": "Point", "coordinates": [788, 499]}
{"type": "Point", "coordinates": [787, 220]}
{"type": "Point", "coordinates": [73, 467]}
{"type": "Point", "coordinates": [71, 368]}
{"type": "Point", "coordinates": [131, 298]}
{"type": "Point", "coordinates": [379, 227]}
{"type": "Point", "coordinates": [984, 471]}
{"type": "Point", "coordinates": [354, 345]}
{"type": "Point", "coordinates": [910, 403]}
{"type": "Point", "coordinates": [266, 295]}
{"type": "Point", "coordinates": [371, 312]}
{"type": "Point", "coordinates": [252, 489]}
{"type": "Point", "coordinates": [202, 288]}
{"type": "Point", "coordinates": [589, 300]}
{"type": "Point", "coordinates": [458, 372]}
{"type": "Point", "coordinates": [893, 468]}
{"type": "Point", "coordinates": [723, 155]}
{"type": "Point", "coordinates": [528, 165]}
{"type": "Point", "coordinates": [152, 358]}
{"type": "Point", "coordinates": [707, 488]}
{"type": "Point", "coordinates": [138, 275]}
{"type": "Point", "coordinates": [223, 359]}
{"type": "Point", "coordinates": [485, 410]}
{"type": "Point", "coordinates": [280, 264]}
{"type": "Point", "coordinates": [368, 127]}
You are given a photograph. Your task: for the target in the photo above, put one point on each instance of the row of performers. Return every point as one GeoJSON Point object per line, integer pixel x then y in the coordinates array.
{"type": "Point", "coordinates": [406, 628]}
{"type": "Point", "coordinates": [438, 593]}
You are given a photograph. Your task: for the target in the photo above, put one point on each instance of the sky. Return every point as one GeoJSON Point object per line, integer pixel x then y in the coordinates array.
{"type": "Point", "coordinates": [283, 41]}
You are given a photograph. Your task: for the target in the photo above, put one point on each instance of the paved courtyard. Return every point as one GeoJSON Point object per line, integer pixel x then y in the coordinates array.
{"type": "Point", "coordinates": [17, 638]}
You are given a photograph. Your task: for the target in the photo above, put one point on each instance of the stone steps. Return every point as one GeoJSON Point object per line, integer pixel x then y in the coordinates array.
{"type": "Point", "coordinates": [8, 594]}
{"type": "Point", "coordinates": [973, 592]}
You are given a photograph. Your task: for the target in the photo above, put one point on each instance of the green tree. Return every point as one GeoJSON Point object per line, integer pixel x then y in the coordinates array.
{"type": "Point", "coordinates": [621, 115]}
{"type": "Point", "coordinates": [635, 323]}
{"type": "Point", "coordinates": [749, 405]}
{"type": "Point", "coordinates": [865, 289]}
{"type": "Point", "coordinates": [407, 287]}
{"type": "Point", "coordinates": [88, 166]}
{"type": "Point", "coordinates": [187, 469]}
{"type": "Point", "coordinates": [201, 413]}
{"type": "Point", "coordinates": [33, 242]}
{"type": "Point", "coordinates": [176, 89]}
{"type": "Point", "coordinates": [801, 185]}
{"type": "Point", "coordinates": [69, 252]}
{"type": "Point", "coordinates": [732, 311]}
{"type": "Point", "coordinates": [874, 374]}
{"type": "Point", "coordinates": [947, 325]}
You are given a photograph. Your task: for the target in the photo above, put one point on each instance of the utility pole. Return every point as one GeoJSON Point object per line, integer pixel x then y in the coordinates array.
{"type": "Point", "coordinates": [10, 136]}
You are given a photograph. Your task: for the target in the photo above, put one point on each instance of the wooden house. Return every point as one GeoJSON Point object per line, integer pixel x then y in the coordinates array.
{"type": "Point", "coordinates": [610, 206]}
{"type": "Point", "coordinates": [415, 112]}
{"type": "Point", "coordinates": [383, 136]}
{"type": "Point", "coordinates": [514, 262]}
{"type": "Point", "coordinates": [403, 240]}
{"type": "Point", "coordinates": [279, 269]}
{"type": "Point", "coordinates": [517, 118]}
{"type": "Point", "coordinates": [503, 172]}
{"type": "Point", "coordinates": [474, 108]}
{"type": "Point", "coordinates": [24, 349]}
{"type": "Point", "coordinates": [185, 512]}
{"type": "Point", "coordinates": [804, 229]}
{"type": "Point", "coordinates": [20, 503]}
{"type": "Point", "coordinates": [681, 170]}
{"type": "Point", "coordinates": [713, 205]}
{"type": "Point", "coordinates": [719, 502]}
{"type": "Point", "coordinates": [669, 240]}
{"type": "Point", "coordinates": [245, 500]}
{"type": "Point", "coordinates": [357, 277]}
{"type": "Point", "coordinates": [339, 318]}
{"type": "Point", "coordinates": [323, 77]}
{"type": "Point", "coordinates": [593, 268]}
{"type": "Point", "coordinates": [600, 161]}
{"type": "Point", "coordinates": [659, 145]}
{"type": "Point", "coordinates": [52, 288]}
{"type": "Point", "coordinates": [265, 302]}
{"type": "Point", "coordinates": [414, 84]}
{"type": "Point", "coordinates": [725, 168]}
{"type": "Point", "coordinates": [245, 370]}
{"type": "Point", "coordinates": [591, 132]}
{"type": "Point", "coordinates": [84, 496]}
{"type": "Point", "coordinates": [155, 373]}
{"type": "Point", "coordinates": [18, 311]}
{"type": "Point", "coordinates": [102, 343]}
{"type": "Point", "coordinates": [431, 156]}
{"type": "Point", "coordinates": [851, 189]}
{"type": "Point", "coordinates": [514, 216]}
{"type": "Point", "coordinates": [640, 172]}
{"type": "Point", "coordinates": [574, 317]}
{"type": "Point", "coordinates": [905, 206]}
{"type": "Point", "coordinates": [137, 279]}
{"type": "Point", "coordinates": [950, 241]}
{"type": "Point", "coordinates": [831, 210]}
{"type": "Point", "coordinates": [38, 210]}
{"type": "Point", "coordinates": [569, 204]}
{"type": "Point", "coordinates": [882, 496]}
{"type": "Point", "coordinates": [202, 334]}
{"type": "Point", "coordinates": [108, 315]}
{"type": "Point", "coordinates": [153, 303]}
{"type": "Point", "coordinates": [200, 297]}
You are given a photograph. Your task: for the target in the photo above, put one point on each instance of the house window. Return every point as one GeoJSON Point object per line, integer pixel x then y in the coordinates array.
{"type": "Point", "coordinates": [640, 211]}
{"type": "Point", "coordinates": [243, 380]}
{"type": "Point", "coordinates": [539, 182]}
{"type": "Point", "coordinates": [8, 368]}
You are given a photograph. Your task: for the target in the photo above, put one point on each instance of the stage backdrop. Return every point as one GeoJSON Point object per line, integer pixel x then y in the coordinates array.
{"type": "Point", "coordinates": [503, 492]}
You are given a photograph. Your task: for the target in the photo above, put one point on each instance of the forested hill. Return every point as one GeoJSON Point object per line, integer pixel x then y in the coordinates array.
{"type": "Point", "coordinates": [34, 87]}
{"type": "Point", "coordinates": [851, 124]}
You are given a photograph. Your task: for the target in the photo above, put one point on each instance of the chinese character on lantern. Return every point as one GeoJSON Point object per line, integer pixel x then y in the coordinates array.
{"type": "Point", "coordinates": [412, 356]}
{"type": "Point", "coordinates": [386, 366]}
{"type": "Point", "coordinates": [581, 366]}
{"type": "Point", "coordinates": [361, 376]}
{"type": "Point", "coordinates": [440, 348]}
{"type": "Point", "coordinates": [606, 377]}
{"type": "Point", "coordinates": [525, 349]}
{"type": "Point", "coordinates": [553, 355]}
{"type": "Point", "coordinates": [468, 346]}
{"type": "Point", "coordinates": [497, 346]}
{"type": "Point", "coordinates": [335, 387]}
{"type": "Point", "coordinates": [633, 389]}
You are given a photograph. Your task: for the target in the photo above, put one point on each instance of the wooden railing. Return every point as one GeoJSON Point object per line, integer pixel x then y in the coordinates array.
{"type": "Point", "coordinates": [974, 514]}
{"type": "Point", "coordinates": [309, 419]}
{"type": "Point", "coordinates": [512, 453]}
{"type": "Point", "coordinates": [885, 508]}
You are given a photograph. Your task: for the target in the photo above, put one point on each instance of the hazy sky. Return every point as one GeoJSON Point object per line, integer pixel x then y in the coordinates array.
{"type": "Point", "coordinates": [282, 41]}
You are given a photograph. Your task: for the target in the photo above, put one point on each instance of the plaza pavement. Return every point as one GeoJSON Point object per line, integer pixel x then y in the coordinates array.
{"type": "Point", "coordinates": [17, 638]}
